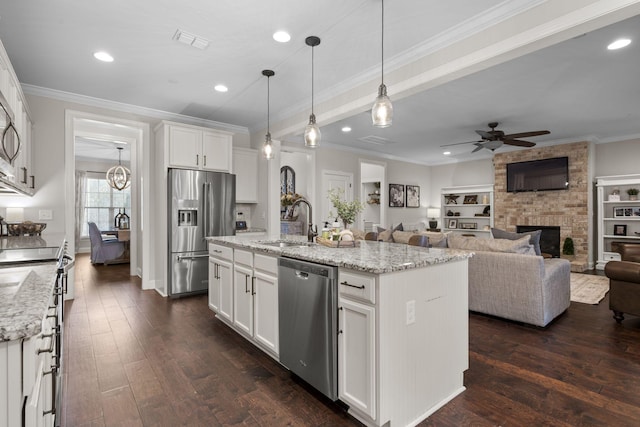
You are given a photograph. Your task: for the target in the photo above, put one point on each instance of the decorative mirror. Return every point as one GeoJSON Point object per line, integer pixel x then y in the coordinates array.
{"type": "Point", "coordinates": [287, 180]}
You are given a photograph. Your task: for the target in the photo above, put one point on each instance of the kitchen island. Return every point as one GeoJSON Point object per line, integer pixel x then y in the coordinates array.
{"type": "Point", "coordinates": [403, 318]}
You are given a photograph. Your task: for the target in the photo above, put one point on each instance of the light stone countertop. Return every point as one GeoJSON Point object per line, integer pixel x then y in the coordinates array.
{"type": "Point", "coordinates": [24, 298]}
{"type": "Point", "coordinates": [370, 257]}
{"type": "Point", "coordinates": [51, 240]}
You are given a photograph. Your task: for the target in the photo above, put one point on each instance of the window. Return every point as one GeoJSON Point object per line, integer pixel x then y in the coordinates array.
{"type": "Point", "coordinates": [102, 203]}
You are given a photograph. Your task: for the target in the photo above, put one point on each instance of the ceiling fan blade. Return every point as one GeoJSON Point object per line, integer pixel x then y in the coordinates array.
{"type": "Point", "coordinates": [486, 135]}
{"type": "Point", "coordinates": [459, 143]}
{"type": "Point", "coordinates": [519, 143]}
{"type": "Point", "coordinates": [527, 134]}
{"type": "Point", "coordinates": [479, 147]}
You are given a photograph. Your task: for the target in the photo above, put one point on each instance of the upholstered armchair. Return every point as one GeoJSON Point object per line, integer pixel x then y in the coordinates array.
{"type": "Point", "coordinates": [105, 251]}
{"type": "Point", "coordinates": [624, 288]}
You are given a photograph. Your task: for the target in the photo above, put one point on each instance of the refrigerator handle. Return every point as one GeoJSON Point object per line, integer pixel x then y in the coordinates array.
{"type": "Point", "coordinates": [205, 210]}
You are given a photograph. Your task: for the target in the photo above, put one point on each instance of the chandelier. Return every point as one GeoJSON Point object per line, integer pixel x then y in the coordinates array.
{"type": "Point", "coordinates": [119, 177]}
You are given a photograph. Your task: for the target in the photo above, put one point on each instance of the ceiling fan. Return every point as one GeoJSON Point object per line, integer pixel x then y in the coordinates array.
{"type": "Point", "coordinates": [493, 139]}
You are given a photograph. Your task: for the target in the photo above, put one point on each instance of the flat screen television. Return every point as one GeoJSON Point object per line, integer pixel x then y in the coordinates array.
{"type": "Point", "coordinates": [538, 175]}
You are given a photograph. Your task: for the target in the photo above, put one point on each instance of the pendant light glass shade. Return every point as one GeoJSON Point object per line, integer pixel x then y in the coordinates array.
{"type": "Point", "coordinates": [382, 110]}
{"type": "Point", "coordinates": [312, 132]}
{"type": "Point", "coordinates": [119, 177]}
{"type": "Point", "coordinates": [267, 147]}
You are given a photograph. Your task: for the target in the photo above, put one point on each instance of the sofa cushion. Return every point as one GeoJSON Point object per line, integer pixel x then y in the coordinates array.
{"type": "Point", "coordinates": [520, 246]}
{"type": "Point", "coordinates": [534, 237]}
{"type": "Point", "coordinates": [387, 235]}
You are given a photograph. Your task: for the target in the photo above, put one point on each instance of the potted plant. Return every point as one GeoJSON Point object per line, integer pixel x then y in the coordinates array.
{"type": "Point", "coordinates": [633, 193]}
{"type": "Point", "coordinates": [568, 250]}
{"type": "Point", "coordinates": [346, 211]}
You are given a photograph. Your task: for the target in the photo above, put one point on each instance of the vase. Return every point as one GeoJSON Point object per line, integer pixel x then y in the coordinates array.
{"type": "Point", "coordinates": [633, 197]}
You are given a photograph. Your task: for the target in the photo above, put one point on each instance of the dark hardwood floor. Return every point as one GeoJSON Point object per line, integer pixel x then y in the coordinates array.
{"type": "Point", "coordinates": [135, 358]}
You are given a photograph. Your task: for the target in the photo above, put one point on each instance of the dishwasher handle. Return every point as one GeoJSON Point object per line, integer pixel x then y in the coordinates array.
{"type": "Point", "coordinates": [302, 275]}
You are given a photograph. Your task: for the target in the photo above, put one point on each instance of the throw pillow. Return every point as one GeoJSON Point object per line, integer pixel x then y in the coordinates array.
{"type": "Point", "coordinates": [520, 246]}
{"type": "Point", "coordinates": [534, 237]}
{"type": "Point", "coordinates": [436, 239]}
{"type": "Point", "coordinates": [387, 235]}
{"type": "Point", "coordinates": [357, 234]}
{"type": "Point", "coordinates": [402, 236]}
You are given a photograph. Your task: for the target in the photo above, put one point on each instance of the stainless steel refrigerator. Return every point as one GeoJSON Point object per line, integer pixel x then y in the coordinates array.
{"type": "Point", "coordinates": [201, 204]}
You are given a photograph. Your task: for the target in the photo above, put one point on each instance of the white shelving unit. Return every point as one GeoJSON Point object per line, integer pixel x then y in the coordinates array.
{"type": "Point", "coordinates": [467, 217]}
{"type": "Point", "coordinates": [616, 215]}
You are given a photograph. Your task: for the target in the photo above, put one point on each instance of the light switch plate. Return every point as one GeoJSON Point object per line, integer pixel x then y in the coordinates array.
{"type": "Point", "coordinates": [411, 312]}
{"type": "Point", "coordinates": [45, 215]}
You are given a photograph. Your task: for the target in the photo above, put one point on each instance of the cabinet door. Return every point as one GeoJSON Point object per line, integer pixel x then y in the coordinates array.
{"type": "Point", "coordinates": [214, 285]}
{"type": "Point", "coordinates": [225, 278]}
{"type": "Point", "coordinates": [266, 310]}
{"type": "Point", "coordinates": [184, 147]}
{"type": "Point", "coordinates": [357, 356]}
{"type": "Point", "coordinates": [242, 299]}
{"type": "Point", "coordinates": [245, 167]}
{"type": "Point", "coordinates": [216, 151]}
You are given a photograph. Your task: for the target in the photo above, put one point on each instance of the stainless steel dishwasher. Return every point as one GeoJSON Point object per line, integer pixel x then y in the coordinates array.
{"type": "Point", "coordinates": [307, 301]}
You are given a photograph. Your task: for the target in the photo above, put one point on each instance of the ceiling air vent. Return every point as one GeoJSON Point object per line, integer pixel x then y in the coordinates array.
{"type": "Point", "coordinates": [191, 39]}
{"type": "Point", "coordinates": [375, 140]}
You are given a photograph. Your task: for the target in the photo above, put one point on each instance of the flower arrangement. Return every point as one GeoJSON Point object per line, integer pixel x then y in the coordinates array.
{"type": "Point", "coordinates": [289, 198]}
{"type": "Point", "coordinates": [346, 211]}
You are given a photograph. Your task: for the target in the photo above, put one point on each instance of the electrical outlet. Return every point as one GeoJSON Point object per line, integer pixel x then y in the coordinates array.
{"type": "Point", "coordinates": [411, 312]}
{"type": "Point", "coordinates": [45, 215]}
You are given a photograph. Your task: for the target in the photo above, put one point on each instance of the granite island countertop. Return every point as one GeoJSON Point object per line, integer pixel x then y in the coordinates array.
{"type": "Point", "coordinates": [369, 256]}
{"type": "Point", "coordinates": [24, 299]}
{"type": "Point", "coordinates": [51, 240]}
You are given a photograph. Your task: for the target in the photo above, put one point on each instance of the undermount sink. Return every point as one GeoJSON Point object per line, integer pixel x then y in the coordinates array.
{"type": "Point", "coordinates": [284, 244]}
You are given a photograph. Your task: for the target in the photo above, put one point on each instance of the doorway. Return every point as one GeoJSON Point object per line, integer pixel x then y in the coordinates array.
{"type": "Point", "coordinates": [136, 134]}
{"type": "Point", "coordinates": [372, 184]}
{"type": "Point", "coordinates": [331, 180]}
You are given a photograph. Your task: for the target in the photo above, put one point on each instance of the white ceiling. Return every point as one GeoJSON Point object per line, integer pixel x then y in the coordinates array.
{"type": "Point", "coordinates": [575, 89]}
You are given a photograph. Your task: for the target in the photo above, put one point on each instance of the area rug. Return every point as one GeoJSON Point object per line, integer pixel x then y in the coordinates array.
{"type": "Point", "coordinates": [587, 288]}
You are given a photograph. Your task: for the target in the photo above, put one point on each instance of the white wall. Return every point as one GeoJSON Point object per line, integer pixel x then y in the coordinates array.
{"type": "Point", "coordinates": [617, 158]}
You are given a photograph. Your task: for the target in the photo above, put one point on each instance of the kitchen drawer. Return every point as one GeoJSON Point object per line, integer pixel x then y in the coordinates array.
{"type": "Point", "coordinates": [266, 263]}
{"type": "Point", "coordinates": [611, 256]}
{"type": "Point", "coordinates": [243, 257]}
{"type": "Point", "coordinates": [220, 251]}
{"type": "Point", "coordinates": [357, 285]}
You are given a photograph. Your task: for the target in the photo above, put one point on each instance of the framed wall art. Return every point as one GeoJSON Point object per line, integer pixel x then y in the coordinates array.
{"type": "Point", "coordinates": [452, 223]}
{"type": "Point", "coordinates": [396, 195]}
{"type": "Point", "coordinates": [413, 196]}
{"type": "Point", "coordinates": [619, 230]}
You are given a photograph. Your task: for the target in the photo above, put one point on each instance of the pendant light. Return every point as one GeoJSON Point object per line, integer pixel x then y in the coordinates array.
{"type": "Point", "coordinates": [312, 132]}
{"type": "Point", "coordinates": [119, 177]}
{"type": "Point", "coordinates": [267, 148]}
{"type": "Point", "coordinates": [382, 110]}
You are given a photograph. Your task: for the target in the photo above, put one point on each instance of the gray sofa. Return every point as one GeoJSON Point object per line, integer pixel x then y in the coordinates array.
{"type": "Point", "coordinates": [524, 288]}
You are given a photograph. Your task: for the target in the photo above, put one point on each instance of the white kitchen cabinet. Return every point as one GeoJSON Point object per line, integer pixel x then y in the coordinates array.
{"type": "Point", "coordinates": [357, 355]}
{"type": "Point", "coordinates": [245, 167]}
{"type": "Point", "coordinates": [467, 210]}
{"type": "Point", "coordinates": [243, 289]}
{"type": "Point", "coordinates": [194, 147]}
{"type": "Point", "coordinates": [256, 298]}
{"type": "Point", "coordinates": [618, 217]}
{"type": "Point", "coordinates": [221, 281]}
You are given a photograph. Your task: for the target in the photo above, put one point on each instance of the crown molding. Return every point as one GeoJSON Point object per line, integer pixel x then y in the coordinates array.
{"type": "Point", "coordinates": [129, 108]}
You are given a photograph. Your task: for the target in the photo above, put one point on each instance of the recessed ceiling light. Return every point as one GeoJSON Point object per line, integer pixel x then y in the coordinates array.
{"type": "Point", "coordinates": [103, 56]}
{"type": "Point", "coordinates": [221, 88]}
{"type": "Point", "coordinates": [281, 36]}
{"type": "Point", "coordinates": [346, 129]}
{"type": "Point", "coordinates": [446, 153]}
{"type": "Point", "coordinates": [619, 44]}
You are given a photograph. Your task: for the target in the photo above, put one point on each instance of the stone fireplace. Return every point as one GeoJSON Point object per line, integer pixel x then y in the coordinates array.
{"type": "Point", "coordinates": [567, 209]}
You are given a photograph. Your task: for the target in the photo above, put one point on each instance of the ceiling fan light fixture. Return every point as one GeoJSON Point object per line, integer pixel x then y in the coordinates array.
{"type": "Point", "coordinates": [119, 177]}
{"type": "Point", "coordinates": [267, 147]}
{"type": "Point", "coordinates": [312, 132]}
{"type": "Point", "coordinates": [382, 110]}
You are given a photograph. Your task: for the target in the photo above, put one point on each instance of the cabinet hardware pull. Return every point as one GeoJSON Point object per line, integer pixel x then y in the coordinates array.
{"type": "Point", "coordinates": [246, 283]}
{"type": "Point", "coordinates": [51, 344]}
{"type": "Point", "coordinates": [205, 159]}
{"type": "Point", "coordinates": [253, 284]}
{"type": "Point", "coordinates": [353, 286]}
{"type": "Point", "coordinates": [24, 175]}
{"type": "Point", "coordinates": [217, 251]}
{"type": "Point", "coordinates": [33, 181]}
{"type": "Point", "coordinates": [339, 310]}
{"type": "Point", "coordinates": [197, 159]}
